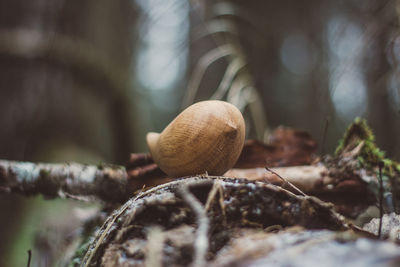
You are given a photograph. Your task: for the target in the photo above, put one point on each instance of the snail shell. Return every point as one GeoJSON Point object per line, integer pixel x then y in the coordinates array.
{"type": "Point", "coordinates": [206, 137]}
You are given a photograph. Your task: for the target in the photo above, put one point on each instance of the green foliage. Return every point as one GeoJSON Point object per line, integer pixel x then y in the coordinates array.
{"type": "Point", "coordinates": [370, 156]}
{"type": "Point", "coordinates": [87, 237]}
{"type": "Point", "coordinates": [357, 131]}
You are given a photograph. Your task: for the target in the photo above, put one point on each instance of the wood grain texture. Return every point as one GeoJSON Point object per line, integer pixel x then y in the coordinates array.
{"type": "Point", "coordinates": [206, 137]}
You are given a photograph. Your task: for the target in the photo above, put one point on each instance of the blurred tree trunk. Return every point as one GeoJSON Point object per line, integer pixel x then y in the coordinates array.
{"type": "Point", "coordinates": [64, 60]}
{"type": "Point", "coordinates": [64, 85]}
{"type": "Point", "coordinates": [378, 73]}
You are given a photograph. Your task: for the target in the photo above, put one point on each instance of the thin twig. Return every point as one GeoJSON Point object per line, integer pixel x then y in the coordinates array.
{"type": "Point", "coordinates": [201, 242]}
{"type": "Point", "coordinates": [217, 188]}
{"type": "Point", "coordinates": [200, 69]}
{"type": "Point", "coordinates": [324, 134]}
{"type": "Point", "coordinates": [222, 41]}
{"type": "Point", "coordinates": [231, 72]}
{"type": "Point", "coordinates": [212, 194]}
{"type": "Point", "coordinates": [286, 181]}
{"type": "Point", "coordinates": [381, 165]}
{"type": "Point", "coordinates": [29, 258]}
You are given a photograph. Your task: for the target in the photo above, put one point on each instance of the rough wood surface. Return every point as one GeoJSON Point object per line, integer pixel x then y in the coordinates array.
{"type": "Point", "coordinates": [69, 180]}
{"type": "Point", "coordinates": [201, 213]}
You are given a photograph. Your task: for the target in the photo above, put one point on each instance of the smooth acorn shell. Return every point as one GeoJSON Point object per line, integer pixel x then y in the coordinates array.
{"type": "Point", "coordinates": [206, 137]}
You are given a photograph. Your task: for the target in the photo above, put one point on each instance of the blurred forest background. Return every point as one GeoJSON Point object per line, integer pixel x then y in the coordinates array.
{"type": "Point", "coordinates": [85, 80]}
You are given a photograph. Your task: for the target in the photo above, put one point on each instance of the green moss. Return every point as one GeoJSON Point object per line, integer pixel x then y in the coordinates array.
{"type": "Point", "coordinates": [87, 236]}
{"type": "Point", "coordinates": [357, 131]}
{"type": "Point", "coordinates": [80, 252]}
{"type": "Point", "coordinates": [398, 168]}
{"type": "Point", "coordinates": [370, 156]}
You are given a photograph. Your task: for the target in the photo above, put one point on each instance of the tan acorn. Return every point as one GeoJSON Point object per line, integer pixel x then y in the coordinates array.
{"type": "Point", "coordinates": [207, 137]}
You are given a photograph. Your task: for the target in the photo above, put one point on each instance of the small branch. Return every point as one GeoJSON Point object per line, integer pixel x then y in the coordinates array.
{"type": "Point", "coordinates": [306, 178]}
{"type": "Point", "coordinates": [286, 182]}
{"type": "Point", "coordinates": [201, 242]}
{"type": "Point", "coordinates": [381, 165]}
{"type": "Point", "coordinates": [324, 134]}
{"type": "Point", "coordinates": [114, 184]}
{"type": "Point", "coordinates": [29, 258]}
{"type": "Point", "coordinates": [68, 180]}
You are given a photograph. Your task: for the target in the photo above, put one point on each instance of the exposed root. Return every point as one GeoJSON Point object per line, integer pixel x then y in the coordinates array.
{"type": "Point", "coordinates": [217, 188]}
{"type": "Point", "coordinates": [201, 242]}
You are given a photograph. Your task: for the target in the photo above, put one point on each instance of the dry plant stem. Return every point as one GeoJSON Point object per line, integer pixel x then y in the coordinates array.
{"type": "Point", "coordinates": [200, 69]}
{"type": "Point", "coordinates": [324, 134]}
{"type": "Point", "coordinates": [201, 242]}
{"type": "Point", "coordinates": [68, 180]}
{"type": "Point", "coordinates": [29, 258]}
{"type": "Point", "coordinates": [286, 182]}
{"type": "Point", "coordinates": [381, 165]}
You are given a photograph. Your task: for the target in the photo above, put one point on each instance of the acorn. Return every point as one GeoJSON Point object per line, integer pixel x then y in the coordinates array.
{"type": "Point", "coordinates": [206, 137]}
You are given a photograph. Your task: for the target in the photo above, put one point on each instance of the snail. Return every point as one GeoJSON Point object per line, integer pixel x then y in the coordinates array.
{"type": "Point", "coordinates": [207, 137]}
